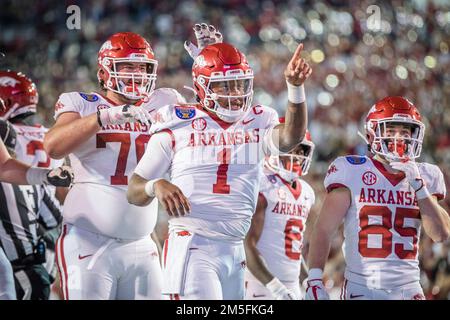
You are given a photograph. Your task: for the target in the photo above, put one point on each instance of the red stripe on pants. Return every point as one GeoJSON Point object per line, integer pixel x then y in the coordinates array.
{"type": "Point", "coordinates": [63, 272]}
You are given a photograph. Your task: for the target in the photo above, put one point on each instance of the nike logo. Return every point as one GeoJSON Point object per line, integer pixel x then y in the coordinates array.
{"type": "Point", "coordinates": [258, 295]}
{"type": "Point", "coordinates": [248, 121]}
{"type": "Point", "coordinates": [83, 257]}
{"type": "Point", "coordinates": [354, 296]}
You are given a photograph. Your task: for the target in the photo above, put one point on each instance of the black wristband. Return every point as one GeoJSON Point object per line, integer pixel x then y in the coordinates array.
{"type": "Point", "coordinates": [98, 119]}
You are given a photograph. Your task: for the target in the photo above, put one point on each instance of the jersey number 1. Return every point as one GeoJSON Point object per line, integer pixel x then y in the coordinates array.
{"type": "Point", "coordinates": [221, 185]}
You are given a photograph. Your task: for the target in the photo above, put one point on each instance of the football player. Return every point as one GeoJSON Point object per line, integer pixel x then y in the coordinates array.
{"type": "Point", "coordinates": [274, 242]}
{"type": "Point", "coordinates": [24, 210]}
{"type": "Point", "coordinates": [213, 152]}
{"type": "Point", "coordinates": [384, 199]}
{"type": "Point", "coordinates": [17, 172]}
{"type": "Point", "coordinates": [21, 98]}
{"type": "Point", "coordinates": [105, 250]}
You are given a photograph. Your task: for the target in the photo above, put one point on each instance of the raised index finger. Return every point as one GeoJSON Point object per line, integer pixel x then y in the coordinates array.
{"type": "Point", "coordinates": [297, 53]}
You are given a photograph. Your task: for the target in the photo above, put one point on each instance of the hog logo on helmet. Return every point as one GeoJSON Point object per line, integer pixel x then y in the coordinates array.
{"type": "Point", "coordinates": [291, 165]}
{"type": "Point", "coordinates": [127, 48]}
{"type": "Point", "coordinates": [19, 95]}
{"type": "Point", "coordinates": [394, 111]}
{"type": "Point", "coordinates": [200, 61]}
{"type": "Point", "coordinates": [8, 82]}
{"type": "Point", "coordinates": [223, 81]}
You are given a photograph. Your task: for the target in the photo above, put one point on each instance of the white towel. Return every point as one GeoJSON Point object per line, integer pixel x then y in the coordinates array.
{"type": "Point", "coordinates": [175, 254]}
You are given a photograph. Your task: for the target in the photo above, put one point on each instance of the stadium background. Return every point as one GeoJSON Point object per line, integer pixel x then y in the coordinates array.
{"type": "Point", "coordinates": [355, 61]}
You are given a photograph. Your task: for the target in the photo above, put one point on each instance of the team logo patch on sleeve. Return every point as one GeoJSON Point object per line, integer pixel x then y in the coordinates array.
{"type": "Point", "coordinates": [356, 159]}
{"type": "Point", "coordinates": [89, 97]}
{"type": "Point", "coordinates": [185, 113]}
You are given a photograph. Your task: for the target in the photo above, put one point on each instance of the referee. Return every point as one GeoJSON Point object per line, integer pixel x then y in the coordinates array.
{"type": "Point", "coordinates": [24, 210]}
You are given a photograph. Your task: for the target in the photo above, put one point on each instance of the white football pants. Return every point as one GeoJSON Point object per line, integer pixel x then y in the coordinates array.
{"type": "Point", "coordinates": [213, 269]}
{"type": "Point", "coordinates": [95, 267]}
{"type": "Point", "coordinates": [354, 291]}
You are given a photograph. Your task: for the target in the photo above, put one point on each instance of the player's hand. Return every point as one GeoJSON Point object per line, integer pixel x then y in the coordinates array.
{"type": "Point", "coordinates": [172, 198]}
{"type": "Point", "coordinates": [411, 171]}
{"type": "Point", "coordinates": [123, 114]}
{"type": "Point", "coordinates": [279, 290]}
{"type": "Point", "coordinates": [205, 35]}
{"type": "Point", "coordinates": [316, 290]}
{"type": "Point", "coordinates": [297, 70]}
{"type": "Point", "coordinates": [60, 177]}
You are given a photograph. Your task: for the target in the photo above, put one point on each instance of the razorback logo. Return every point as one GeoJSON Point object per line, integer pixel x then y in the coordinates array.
{"type": "Point", "coordinates": [200, 61]}
{"type": "Point", "coordinates": [332, 169]}
{"type": "Point", "coordinates": [183, 233]}
{"type": "Point", "coordinates": [58, 106]}
{"type": "Point", "coordinates": [106, 46]}
{"type": "Point", "coordinates": [8, 82]}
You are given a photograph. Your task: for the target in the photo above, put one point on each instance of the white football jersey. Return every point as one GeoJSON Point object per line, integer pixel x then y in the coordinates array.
{"type": "Point", "coordinates": [382, 225]}
{"type": "Point", "coordinates": [287, 209]}
{"type": "Point", "coordinates": [30, 146]}
{"type": "Point", "coordinates": [217, 165]}
{"type": "Point", "coordinates": [102, 166]}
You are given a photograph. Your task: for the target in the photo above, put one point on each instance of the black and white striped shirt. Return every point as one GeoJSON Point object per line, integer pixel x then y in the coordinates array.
{"type": "Point", "coordinates": [22, 210]}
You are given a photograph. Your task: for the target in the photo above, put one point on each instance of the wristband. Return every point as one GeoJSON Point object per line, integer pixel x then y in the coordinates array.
{"type": "Point", "coordinates": [422, 192]}
{"type": "Point", "coordinates": [315, 274]}
{"type": "Point", "coordinates": [296, 94]}
{"type": "Point", "coordinates": [150, 188]}
{"type": "Point", "coordinates": [37, 175]}
{"type": "Point", "coordinates": [274, 285]}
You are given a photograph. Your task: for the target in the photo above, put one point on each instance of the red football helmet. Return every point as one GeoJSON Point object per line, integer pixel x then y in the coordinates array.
{"type": "Point", "coordinates": [19, 95]}
{"type": "Point", "coordinates": [394, 111]}
{"type": "Point", "coordinates": [127, 47]}
{"type": "Point", "coordinates": [293, 164]}
{"type": "Point", "coordinates": [223, 81]}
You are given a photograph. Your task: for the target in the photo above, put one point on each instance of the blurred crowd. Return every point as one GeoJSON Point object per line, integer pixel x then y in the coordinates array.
{"type": "Point", "coordinates": [360, 51]}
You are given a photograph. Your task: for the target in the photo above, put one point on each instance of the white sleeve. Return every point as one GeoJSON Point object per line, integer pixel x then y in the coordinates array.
{"type": "Point", "coordinates": [271, 134]}
{"type": "Point", "coordinates": [336, 176]}
{"type": "Point", "coordinates": [66, 103]}
{"type": "Point", "coordinates": [434, 179]}
{"type": "Point", "coordinates": [158, 155]}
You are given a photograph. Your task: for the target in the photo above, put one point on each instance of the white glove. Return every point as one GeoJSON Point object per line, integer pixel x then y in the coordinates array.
{"type": "Point", "coordinates": [316, 289]}
{"type": "Point", "coordinates": [205, 35]}
{"type": "Point", "coordinates": [59, 177]}
{"type": "Point", "coordinates": [122, 114]}
{"type": "Point", "coordinates": [279, 290]}
{"type": "Point", "coordinates": [413, 176]}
